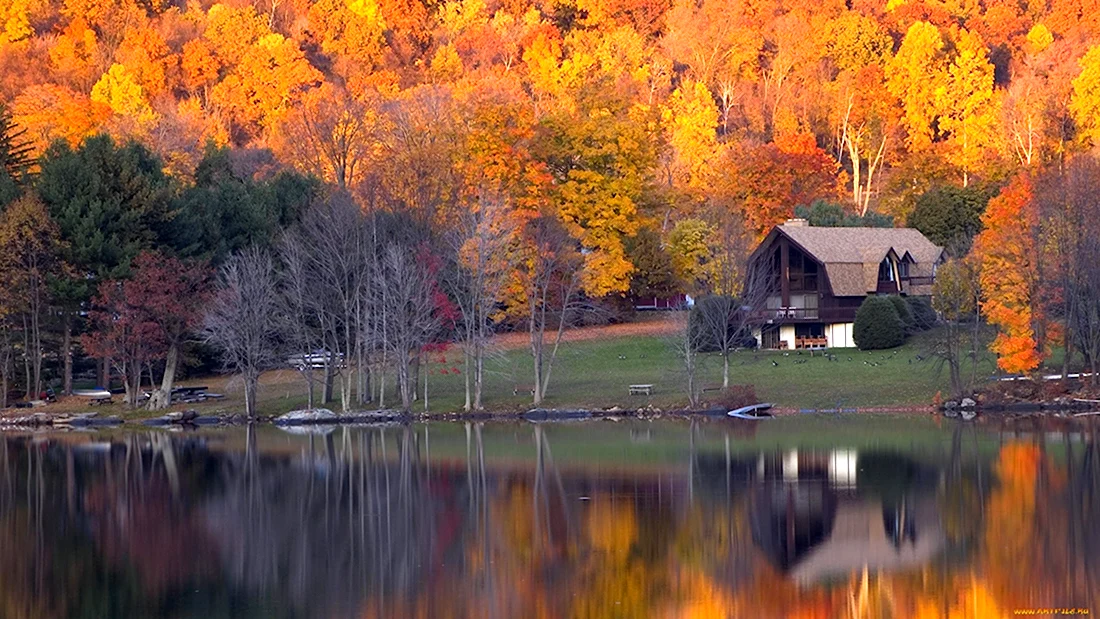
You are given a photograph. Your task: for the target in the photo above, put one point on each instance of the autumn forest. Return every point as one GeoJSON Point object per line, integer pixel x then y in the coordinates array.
{"type": "Point", "coordinates": [505, 160]}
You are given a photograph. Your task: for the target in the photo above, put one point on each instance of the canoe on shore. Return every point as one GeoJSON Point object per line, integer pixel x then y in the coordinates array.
{"type": "Point", "coordinates": [752, 411]}
{"type": "Point", "coordinates": [91, 393]}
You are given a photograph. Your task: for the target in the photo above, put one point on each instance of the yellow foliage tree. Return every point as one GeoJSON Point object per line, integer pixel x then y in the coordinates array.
{"type": "Point", "coordinates": [232, 32]}
{"type": "Point", "coordinates": [691, 122]}
{"type": "Point", "coordinates": [121, 92]}
{"type": "Point", "coordinates": [1085, 104]}
{"type": "Point", "coordinates": [148, 59]}
{"type": "Point", "coordinates": [15, 23]}
{"type": "Point", "coordinates": [913, 75]}
{"type": "Point", "coordinates": [271, 77]}
{"type": "Point", "coordinates": [352, 31]}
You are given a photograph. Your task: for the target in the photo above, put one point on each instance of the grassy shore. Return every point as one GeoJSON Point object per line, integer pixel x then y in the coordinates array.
{"type": "Point", "coordinates": [595, 366]}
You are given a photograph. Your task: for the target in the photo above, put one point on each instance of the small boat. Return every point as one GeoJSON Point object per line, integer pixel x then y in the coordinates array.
{"type": "Point", "coordinates": [752, 411]}
{"type": "Point", "coordinates": [92, 393]}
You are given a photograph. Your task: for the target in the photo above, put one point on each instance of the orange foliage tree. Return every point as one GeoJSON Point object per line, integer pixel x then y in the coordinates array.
{"type": "Point", "coordinates": [1010, 276]}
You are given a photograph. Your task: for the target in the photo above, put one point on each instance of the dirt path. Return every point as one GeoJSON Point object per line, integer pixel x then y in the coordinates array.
{"type": "Point", "coordinates": [647, 325]}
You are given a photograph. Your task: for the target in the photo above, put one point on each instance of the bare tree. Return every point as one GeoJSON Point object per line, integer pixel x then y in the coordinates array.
{"type": "Point", "coordinates": [1070, 216]}
{"type": "Point", "coordinates": [298, 328]}
{"type": "Point", "coordinates": [688, 343]}
{"type": "Point", "coordinates": [740, 290]}
{"type": "Point", "coordinates": [325, 277]}
{"type": "Point", "coordinates": [484, 245]}
{"type": "Point", "coordinates": [552, 275]}
{"type": "Point", "coordinates": [332, 134]}
{"type": "Point", "coordinates": [242, 319]}
{"type": "Point", "coordinates": [956, 296]}
{"type": "Point", "coordinates": [409, 314]}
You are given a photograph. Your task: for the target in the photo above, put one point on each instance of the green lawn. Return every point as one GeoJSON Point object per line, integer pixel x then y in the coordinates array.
{"type": "Point", "coordinates": [596, 373]}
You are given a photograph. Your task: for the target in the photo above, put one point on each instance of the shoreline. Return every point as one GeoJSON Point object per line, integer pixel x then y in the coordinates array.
{"type": "Point", "coordinates": [192, 420]}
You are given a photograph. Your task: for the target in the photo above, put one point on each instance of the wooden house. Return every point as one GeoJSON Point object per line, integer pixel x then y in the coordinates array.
{"type": "Point", "coordinates": [825, 273]}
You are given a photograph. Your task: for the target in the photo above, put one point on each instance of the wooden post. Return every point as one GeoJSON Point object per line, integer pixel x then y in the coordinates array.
{"type": "Point", "coordinates": [784, 270]}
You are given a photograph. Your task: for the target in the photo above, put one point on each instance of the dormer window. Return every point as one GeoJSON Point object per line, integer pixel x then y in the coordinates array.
{"type": "Point", "coordinates": [885, 271]}
{"type": "Point", "coordinates": [903, 269]}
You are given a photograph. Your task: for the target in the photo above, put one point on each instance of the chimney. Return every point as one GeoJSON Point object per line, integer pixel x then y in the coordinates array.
{"type": "Point", "coordinates": [796, 221]}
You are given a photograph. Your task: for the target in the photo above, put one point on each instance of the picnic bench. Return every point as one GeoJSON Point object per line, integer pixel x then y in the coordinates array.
{"type": "Point", "coordinates": [641, 389]}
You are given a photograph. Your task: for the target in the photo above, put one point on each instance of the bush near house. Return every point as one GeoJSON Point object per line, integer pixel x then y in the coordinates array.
{"type": "Point", "coordinates": [904, 314]}
{"type": "Point", "coordinates": [878, 325]}
{"type": "Point", "coordinates": [924, 315]}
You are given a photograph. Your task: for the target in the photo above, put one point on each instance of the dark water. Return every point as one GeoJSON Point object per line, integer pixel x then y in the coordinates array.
{"type": "Point", "coordinates": [810, 517]}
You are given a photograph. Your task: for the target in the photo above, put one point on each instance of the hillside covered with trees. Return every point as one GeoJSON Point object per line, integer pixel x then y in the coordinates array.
{"type": "Point", "coordinates": [507, 160]}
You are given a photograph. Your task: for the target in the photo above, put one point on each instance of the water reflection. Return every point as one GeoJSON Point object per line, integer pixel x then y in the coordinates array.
{"type": "Point", "coordinates": [597, 520]}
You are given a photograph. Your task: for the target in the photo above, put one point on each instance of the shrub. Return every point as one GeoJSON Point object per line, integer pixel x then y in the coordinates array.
{"type": "Point", "coordinates": [924, 315]}
{"type": "Point", "coordinates": [904, 314]}
{"type": "Point", "coordinates": [735, 396]}
{"type": "Point", "coordinates": [878, 325]}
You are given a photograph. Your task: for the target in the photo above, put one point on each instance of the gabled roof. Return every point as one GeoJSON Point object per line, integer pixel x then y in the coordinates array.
{"type": "Point", "coordinates": [851, 255]}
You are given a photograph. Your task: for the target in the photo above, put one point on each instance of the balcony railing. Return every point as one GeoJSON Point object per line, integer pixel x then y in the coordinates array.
{"type": "Point", "coordinates": [921, 280]}
{"type": "Point", "coordinates": [809, 314]}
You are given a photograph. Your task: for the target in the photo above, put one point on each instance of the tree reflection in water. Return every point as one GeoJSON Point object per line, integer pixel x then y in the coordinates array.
{"type": "Point", "coordinates": [543, 521]}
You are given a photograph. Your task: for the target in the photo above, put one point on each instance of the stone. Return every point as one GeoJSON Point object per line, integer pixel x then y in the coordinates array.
{"type": "Point", "coordinates": [968, 403]}
{"type": "Point", "coordinates": [316, 415]}
{"type": "Point", "coordinates": [950, 405]}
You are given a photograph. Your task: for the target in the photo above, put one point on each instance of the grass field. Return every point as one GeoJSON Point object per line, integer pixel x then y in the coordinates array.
{"type": "Point", "coordinates": [595, 366]}
{"type": "Point", "coordinates": [594, 371]}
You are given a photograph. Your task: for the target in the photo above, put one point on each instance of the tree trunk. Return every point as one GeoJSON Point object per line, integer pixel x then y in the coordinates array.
{"type": "Point", "coordinates": [725, 369]}
{"type": "Point", "coordinates": [162, 398]}
{"type": "Point", "coordinates": [131, 383]}
{"type": "Point", "coordinates": [36, 340]}
{"type": "Point", "coordinates": [479, 368]}
{"type": "Point", "coordinates": [251, 380]}
{"type": "Point", "coordinates": [326, 387]}
{"type": "Point", "coordinates": [467, 366]}
{"type": "Point", "coordinates": [26, 362]}
{"type": "Point", "coordinates": [67, 354]}
{"type": "Point", "coordinates": [403, 383]}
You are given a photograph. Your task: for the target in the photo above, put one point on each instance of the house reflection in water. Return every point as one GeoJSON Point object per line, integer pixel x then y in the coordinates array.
{"type": "Point", "coordinates": [820, 516]}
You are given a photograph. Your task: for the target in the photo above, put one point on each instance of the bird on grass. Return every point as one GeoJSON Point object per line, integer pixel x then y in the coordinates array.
{"type": "Point", "coordinates": [774, 364]}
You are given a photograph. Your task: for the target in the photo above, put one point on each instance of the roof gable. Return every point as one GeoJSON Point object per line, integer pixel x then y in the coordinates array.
{"type": "Point", "coordinates": [851, 255]}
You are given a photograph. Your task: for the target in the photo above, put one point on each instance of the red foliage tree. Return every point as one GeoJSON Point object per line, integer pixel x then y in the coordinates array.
{"type": "Point", "coordinates": [145, 319]}
{"type": "Point", "coordinates": [768, 181]}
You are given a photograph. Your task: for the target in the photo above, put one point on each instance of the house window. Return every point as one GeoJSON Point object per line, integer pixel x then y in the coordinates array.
{"type": "Point", "coordinates": [885, 273]}
{"type": "Point", "coordinates": [903, 269]}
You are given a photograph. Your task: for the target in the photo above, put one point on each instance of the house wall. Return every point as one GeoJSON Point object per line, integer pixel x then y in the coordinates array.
{"type": "Point", "coordinates": [786, 334]}
{"type": "Point", "coordinates": [839, 335]}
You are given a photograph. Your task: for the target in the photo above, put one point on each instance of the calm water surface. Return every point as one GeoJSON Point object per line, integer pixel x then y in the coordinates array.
{"type": "Point", "coordinates": [803, 517]}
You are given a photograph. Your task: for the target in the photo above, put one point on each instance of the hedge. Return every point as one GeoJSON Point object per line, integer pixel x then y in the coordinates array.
{"type": "Point", "coordinates": [878, 325]}
{"type": "Point", "coordinates": [924, 316]}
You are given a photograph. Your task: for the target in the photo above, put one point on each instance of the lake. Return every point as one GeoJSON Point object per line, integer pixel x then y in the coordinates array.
{"type": "Point", "coordinates": [809, 516]}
